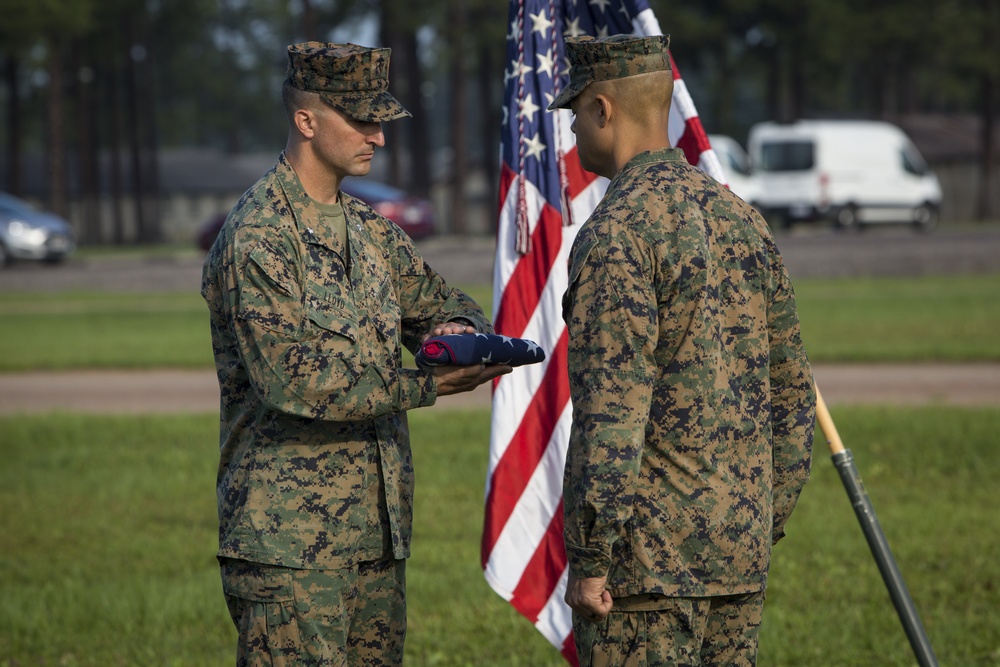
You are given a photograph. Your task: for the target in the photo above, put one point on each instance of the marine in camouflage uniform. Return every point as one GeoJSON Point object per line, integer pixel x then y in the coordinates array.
{"type": "Point", "coordinates": [693, 399]}
{"type": "Point", "coordinates": [311, 304]}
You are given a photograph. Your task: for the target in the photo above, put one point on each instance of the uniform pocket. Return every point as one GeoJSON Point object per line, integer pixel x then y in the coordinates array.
{"type": "Point", "coordinates": [257, 582]}
{"type": "Point", "coordinates": [261, 602]}
{"type": "Point", "coordinates": [602, 644]}
{"type": "Point", "coordinates": [584, 636]}
{"type": "Point", "coordinates": [330, 313]}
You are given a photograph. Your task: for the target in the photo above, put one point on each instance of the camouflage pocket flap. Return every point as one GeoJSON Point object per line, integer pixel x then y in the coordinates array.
{"type": "Point", "coordinates": [331, 313]}
{"type": "Point", "coordinates": [273, 271]}
{"type": "Point", "coordinates": [257, 582]}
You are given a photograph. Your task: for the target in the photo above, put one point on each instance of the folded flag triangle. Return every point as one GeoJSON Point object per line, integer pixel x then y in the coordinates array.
{"type": "Point", "coordinates": [478, 348]}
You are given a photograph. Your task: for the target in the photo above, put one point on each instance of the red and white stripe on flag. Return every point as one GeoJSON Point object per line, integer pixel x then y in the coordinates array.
{"type": "Point", "coordinates": [544, 197]}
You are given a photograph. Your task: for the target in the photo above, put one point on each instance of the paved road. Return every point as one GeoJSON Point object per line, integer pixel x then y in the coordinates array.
{"type": "Point", "coordinates": [808, 252]}
{"type": "Point", "coordinates": [164, 391]}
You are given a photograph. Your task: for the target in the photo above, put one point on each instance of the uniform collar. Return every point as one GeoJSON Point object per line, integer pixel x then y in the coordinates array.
{"type": "Point", "coordinates": [304, 210]}
{"type": "Point", "coordinates": [660, 155]}
{"type": "Point", "coordinates": [302, 207]}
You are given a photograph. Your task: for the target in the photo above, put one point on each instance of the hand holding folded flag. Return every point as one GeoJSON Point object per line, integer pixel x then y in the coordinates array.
{"type": "Point", "coordinates": [478, 348]}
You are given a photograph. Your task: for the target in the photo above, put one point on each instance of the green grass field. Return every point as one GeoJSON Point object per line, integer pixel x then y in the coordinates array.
{"type": "Point", "coordinates": [937, 318]}
{"type": "Point", "coordinates": [107, 541]}
{"type": "Point", "coordinates": [108, 525]}
{"type": "Point", "coordinates": [930, 318]}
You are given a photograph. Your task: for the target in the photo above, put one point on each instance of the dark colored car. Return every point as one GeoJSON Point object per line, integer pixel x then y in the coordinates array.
{"type": "Point", "coordinates": [27, 233]}
{"type": "Point", "coordinates": [414, 215]}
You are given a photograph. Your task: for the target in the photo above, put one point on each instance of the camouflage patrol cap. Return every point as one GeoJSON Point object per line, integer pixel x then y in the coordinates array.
{"type": "Point", "coordinates": [351, 78]}
{"type": "Point", "coordinates": [608, 58]}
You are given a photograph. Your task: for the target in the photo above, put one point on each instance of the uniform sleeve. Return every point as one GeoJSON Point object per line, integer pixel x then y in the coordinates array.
{"type": "Point", "coordinates": [427, 300]}
{"type": "Point", "coordinates": [301, 351]}
{"type": "Point", "coordinates": [793, 399]}
{"type": "Point", "coordinates": [610, 310]}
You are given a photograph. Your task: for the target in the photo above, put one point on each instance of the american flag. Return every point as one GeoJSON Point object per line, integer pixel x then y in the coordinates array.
{"type": "Point", "coordinates": [544, 197]}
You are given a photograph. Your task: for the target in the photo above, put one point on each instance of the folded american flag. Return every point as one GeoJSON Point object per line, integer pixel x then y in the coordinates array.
{"type": "Point", "coordinates": [478, 348]}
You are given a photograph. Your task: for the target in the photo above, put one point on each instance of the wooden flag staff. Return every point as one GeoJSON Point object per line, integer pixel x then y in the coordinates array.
{"type": "Point", "coordinates": [877, 542]}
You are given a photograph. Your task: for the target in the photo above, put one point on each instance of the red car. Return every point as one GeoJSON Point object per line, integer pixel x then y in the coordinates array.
{"type": "Point", "coordinates": [414, 215]}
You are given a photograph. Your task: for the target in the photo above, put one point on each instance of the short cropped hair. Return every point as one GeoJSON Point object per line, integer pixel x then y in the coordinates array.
{"type": "Point", "coordinates": [294, 99]}
{"type": "Point", "coordinates": [642, 96]}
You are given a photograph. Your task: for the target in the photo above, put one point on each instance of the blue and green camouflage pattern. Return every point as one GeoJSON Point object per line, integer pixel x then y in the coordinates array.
{"type": "Point", "coordinates": [315, 468]}
{"type": "Point", "coordinates": [693, 398]}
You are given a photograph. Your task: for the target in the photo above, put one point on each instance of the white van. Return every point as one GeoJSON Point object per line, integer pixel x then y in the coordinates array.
{"type": "Point", "coordinates": [735, 166]}
{"type": "Point", "coordinates": [846, 172]}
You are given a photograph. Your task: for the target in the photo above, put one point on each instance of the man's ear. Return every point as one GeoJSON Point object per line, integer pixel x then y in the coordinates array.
{"type": "Point", "coordinates": [603, 109]}
{"type": "Point", "coordinates": [305, 122]}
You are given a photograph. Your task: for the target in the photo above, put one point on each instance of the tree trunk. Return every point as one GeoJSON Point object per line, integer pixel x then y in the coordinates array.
{"type": "Point", "coordinates": [309, 24]}
{"type": "Point", "coordinates": [796, 81]}
{"type": "Point", "coordinates": [142, 159]}
{"type": "Point", "coordinates": [408, 140]}
{"type": "Point", "coordinates": [58, 200]}
{"type": "Point", "coordinates": [420, 144]}
{"type": "Point", "coordinates": [134, 133]}
{"type": "Point", "coordinates": [490, 127]}
{"type": "Point", "coordinates": [889, 87]}
{"type": "Point", "coordinates": [987, 140]}
{"type": "Point", "coordinates": [86, 152]}
{"type": "Point", "coordinates": [457, 112]}
{"type": "Point", "coordinates": [989, 86]}
{"type": "Point", "coordinates": [775, 86]}
{"type": "Point", "coordinates": [148, 100]}
{"type": "Point", "coordinates": [11, 74]}
{"type": "Point", "coordinates": [724, 116]}
{"type": "Point", "coordinates": [116, 187]}
{"type": "Point", "coordinates": [399, 86]}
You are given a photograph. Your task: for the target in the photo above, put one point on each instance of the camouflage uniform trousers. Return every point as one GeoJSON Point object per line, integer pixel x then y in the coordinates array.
{"type": "Point", "coordinates": [312, 618]}
{"type": "Point", "coordinates": [716, 631]}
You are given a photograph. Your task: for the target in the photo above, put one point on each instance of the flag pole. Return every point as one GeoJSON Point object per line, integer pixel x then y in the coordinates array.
{"type": "Point", "coordinates": [877, 542]}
